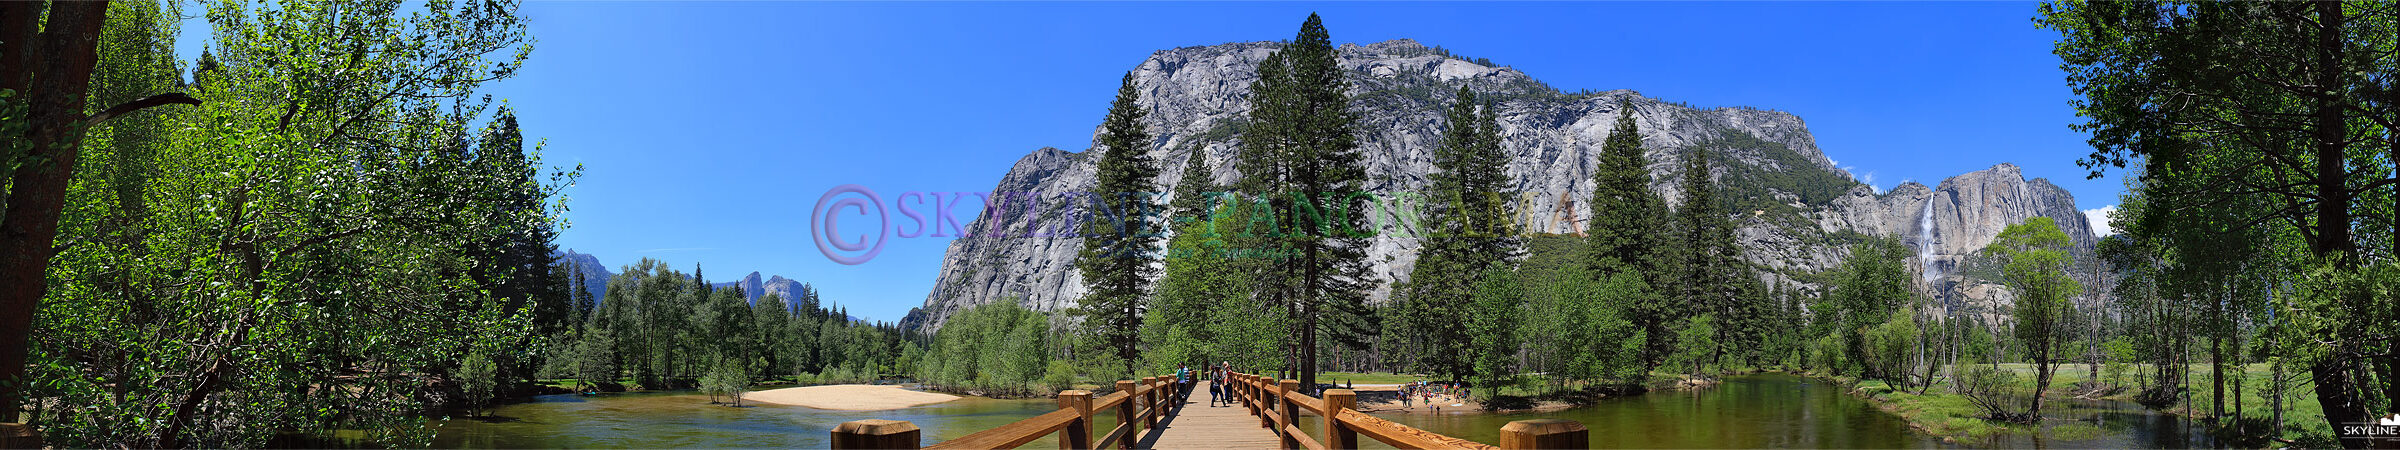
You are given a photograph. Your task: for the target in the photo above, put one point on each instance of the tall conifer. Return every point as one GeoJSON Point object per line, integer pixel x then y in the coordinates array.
{"type": "Point", "coordinates": [1122, 231]}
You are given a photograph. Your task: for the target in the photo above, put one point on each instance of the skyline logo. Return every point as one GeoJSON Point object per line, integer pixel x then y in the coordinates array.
{"type": "Point", "coordinates": [938, 214]}
{"type": "Point", "coordinates": [2382, 429]}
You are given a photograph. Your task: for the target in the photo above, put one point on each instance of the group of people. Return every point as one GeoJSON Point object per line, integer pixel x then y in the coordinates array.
{"type": "Point", "coordinates": [1425, 390]}
{"type": "Point", "coordinates": [1218, 392]}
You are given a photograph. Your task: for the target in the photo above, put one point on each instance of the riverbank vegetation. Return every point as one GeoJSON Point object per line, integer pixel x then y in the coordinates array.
{"type": "Point", "coordinates": [659, 328]}
{"type": "Point", "coordinates": [327, 226]}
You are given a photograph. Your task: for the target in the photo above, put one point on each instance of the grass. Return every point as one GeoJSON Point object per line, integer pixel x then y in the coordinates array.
{"type": "Point", "coordinates": [1938, 413]}
{"type": "Point", "coordinates": [1945, 414]}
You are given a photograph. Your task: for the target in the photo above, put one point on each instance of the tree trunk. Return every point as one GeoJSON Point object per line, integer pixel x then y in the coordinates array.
{"type": "Point", "coordinates": [2216, 379]}
{"type": "Point", "coordinates": [51, 73]}
{"type": "Point", "coordinates": [2337, 388]}
{"type": "Point", "coordinates": [2041, 382]}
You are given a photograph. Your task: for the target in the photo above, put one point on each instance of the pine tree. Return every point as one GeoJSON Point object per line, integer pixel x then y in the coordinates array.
{"type": "Point", "coordinates": [1300, 156]}
{"type": "Point", "coordinates": [1625, 230]}
{"type": "Point", "coordinates": [1120, 236]}
{"type": "Point", "coordinates": [514, 259]}
{"type": "Point", "coordinates": [1708, 266]}
{"type": "Point", "coordinates": [1465, 233]}
{"type": "Point", "coordinates": [1499, 302]}
{"type": "Point", "coordinates": [1193, 196]}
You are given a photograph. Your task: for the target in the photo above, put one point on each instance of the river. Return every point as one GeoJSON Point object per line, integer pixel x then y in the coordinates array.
{"type": "Point", "coordinates": [1785, 411]}
{"type": "Point", "coordinates": [1750, 411]}
{"type": "Point", "coordinates": [686, 420]}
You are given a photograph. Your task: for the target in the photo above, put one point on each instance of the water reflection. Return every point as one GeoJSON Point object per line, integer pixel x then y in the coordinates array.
{"type": "Point", "coordinates": [685, 419]}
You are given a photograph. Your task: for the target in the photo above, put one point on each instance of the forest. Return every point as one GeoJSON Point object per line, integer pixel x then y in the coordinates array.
{"type": "Point", "coordinates": [321, 226]}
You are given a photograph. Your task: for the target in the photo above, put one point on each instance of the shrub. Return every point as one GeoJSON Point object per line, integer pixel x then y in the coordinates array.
{"type": "Point", "coordinates": [1059, 376]}
{"type": "Point", "coordinates": [1995, 392]}
{"type": "Point", "coordinates": [477, 378]}
{"type": "Point", "coordinates": [1889, 347]}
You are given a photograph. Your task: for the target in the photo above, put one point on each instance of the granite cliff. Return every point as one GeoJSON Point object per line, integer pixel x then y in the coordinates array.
{"type": "Point", "coordinates": [1796, 210]}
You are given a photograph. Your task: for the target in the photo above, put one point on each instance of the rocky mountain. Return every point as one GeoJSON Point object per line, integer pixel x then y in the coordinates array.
{"type": "Point", "coordinates": [755, 287]}
{"type": "Point", "coordinates": [1797, 209]}
{"type": "Point", "coordinates": [595, 275]}
{"type": "Point", "coordinates": [1950, 225]}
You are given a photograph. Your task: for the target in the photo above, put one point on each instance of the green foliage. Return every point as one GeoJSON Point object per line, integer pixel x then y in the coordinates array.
{"type": "Point", "coordinates": [477, 377]}
{"type": "Point", "coordinates": [296, 257]}
{"type": "Point", "coordinates": [595, 359]}
{"type": "Point", "coordinates": [1204, 299]}
{"type": "Point", "coordinates": [1710, 276]}
{"type": "Point", "coordinates": [729, 378]}
{"type": "Point", "coordinates": [1575, 322]}
{"type": "Point", "coordinates": [1499, 301]}
{"type": "Point", "coordinates": [1830, 352]}
{"type": "Point", "coordinates": [1060, 376]}
{"type": "Point", "coordinates": [668, 330]}
{"type": "Point", "coordinates": [1890, 347]}
{"type": "Point", "coordinates": [1996, 392]}
{"type": "Point", "coordinates": [1628, 228]}
{"type": "Point", "coordinates": [998, 347]}
{"type": "Point", "coordinates": [2120, 356]}
{"type": "Point", "coordinates": [1866, 290]}
{"type": "Point", "coordinates": [1698, 338]}
{"type": "Point", "coordinates": [2036, 265]}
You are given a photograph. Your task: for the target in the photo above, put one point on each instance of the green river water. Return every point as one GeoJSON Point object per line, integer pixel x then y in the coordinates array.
{"type": "Point", "coordinates": [1752, 411]}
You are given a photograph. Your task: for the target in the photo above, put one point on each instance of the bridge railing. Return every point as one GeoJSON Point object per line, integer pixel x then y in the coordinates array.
{"type": "Point", "coordinates": [1138, 404]}
{"type": "Point", "coordinates": [1278, 404]}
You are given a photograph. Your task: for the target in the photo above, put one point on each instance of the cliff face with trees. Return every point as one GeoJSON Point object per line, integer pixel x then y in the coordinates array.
{"type": "Point", "coordinates": [1792, 211]}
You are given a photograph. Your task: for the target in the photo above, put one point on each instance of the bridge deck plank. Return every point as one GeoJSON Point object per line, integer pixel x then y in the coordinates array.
{"type": "Point", "coordinates": [1200, 426]}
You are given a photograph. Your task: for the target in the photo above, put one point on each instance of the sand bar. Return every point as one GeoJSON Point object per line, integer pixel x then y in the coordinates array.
{"type": "Point", "coordinates": [848, 397]}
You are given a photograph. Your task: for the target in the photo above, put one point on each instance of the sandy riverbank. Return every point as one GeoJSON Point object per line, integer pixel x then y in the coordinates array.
{"type": "Point", "coordinates": [848, 397]}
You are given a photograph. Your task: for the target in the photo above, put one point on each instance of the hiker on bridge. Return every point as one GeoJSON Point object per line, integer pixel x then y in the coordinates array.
{"type": "Point", "coordinates": [1183, 382]}
{"type": "Point", "coordinates": [1217, 392]}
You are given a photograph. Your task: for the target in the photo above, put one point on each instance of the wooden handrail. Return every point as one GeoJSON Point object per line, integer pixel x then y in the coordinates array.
{"type": "Point", "coordinates": [1138, 404]}
{"type": "Point", "coordinates": [1014, 434]}
{"type": "Point", "coordinates": [1275, 402]}
{"type": "Point", "coordinates": [1404, 436]}
{"type": "Point", "coordinates": [1277, 405]}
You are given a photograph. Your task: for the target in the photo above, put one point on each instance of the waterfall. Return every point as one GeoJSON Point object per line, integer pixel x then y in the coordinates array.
{"type": "Point", "coordinates": [1925, 242]}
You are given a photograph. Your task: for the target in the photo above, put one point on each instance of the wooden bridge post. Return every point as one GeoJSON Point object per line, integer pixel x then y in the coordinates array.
{"type": "Point", "coordinates": [1287, 413]}
{"type": "Point", "coordinates": [875, 433]}
{"type": "Point", "coordinates": [1126, 413]}
{"type": "Point", "coordinates": [1336, 435]}
{"type": "Point", "coordinates": [1262, 405]}
{"type": "Point", "coordinates": [1150, 400]}
{"type": "Point", "coordinates": [1544, 434]}
{"type": "Point", "coordinates": [1078, 434]}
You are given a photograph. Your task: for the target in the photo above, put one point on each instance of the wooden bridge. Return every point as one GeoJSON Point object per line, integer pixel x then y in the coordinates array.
{"type": "Point", "coordinates": [1149, 414]}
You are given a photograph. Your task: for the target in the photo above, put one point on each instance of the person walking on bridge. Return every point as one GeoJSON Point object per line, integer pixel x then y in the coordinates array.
{"type": "Point", "coordinates": [1183, 384]}
{"type": "Point", "coordinates": [1216, 385]}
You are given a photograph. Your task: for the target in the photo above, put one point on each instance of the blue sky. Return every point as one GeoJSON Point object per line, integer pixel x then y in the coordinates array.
{"type": "Point", "coordinates": [708, 130]}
